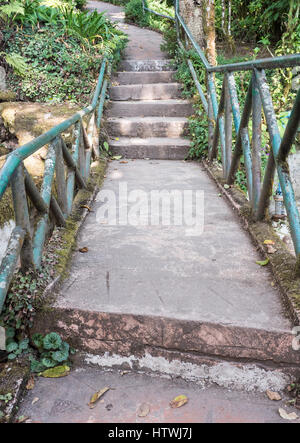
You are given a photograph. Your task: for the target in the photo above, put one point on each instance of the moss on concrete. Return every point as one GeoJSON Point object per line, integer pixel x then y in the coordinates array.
{"type": "Point", "coordinates": [69, 233]}
{"type": "Point", "coordinates": [6, 208]}
{"type": "Point", "coordinates": [13, 376]}
{"type": "Point", "coordinates": [7, 96]}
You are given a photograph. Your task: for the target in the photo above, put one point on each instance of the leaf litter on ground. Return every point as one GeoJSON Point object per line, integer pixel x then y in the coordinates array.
{"type": "Point", "coordinates": [95, 397]}
{"type": "Point", "coordinates": [179, 401]}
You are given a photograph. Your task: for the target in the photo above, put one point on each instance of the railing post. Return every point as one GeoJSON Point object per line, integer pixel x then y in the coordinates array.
{"type": "Point", "coordinates": [211, 128]}
{"type": "Point", "coordinates": [22, 216]}
{"type": "Point", "coordinates": [46, 192]}
{"type": "Point", "coordinates": [228, 126]}
{"type": "Point", "coordinates": [81, 153]}
{"type": "Point", "coordinates": [282, 167]}
{"type": "Point", "coordinates": [256, 145]}
{"type": "Point", "coordinates": [71, 173]}
{"type": "Point", "coordinates": [60, 175]}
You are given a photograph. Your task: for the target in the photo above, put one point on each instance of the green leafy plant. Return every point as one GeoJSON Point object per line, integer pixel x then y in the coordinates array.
{"type": "Point", "coordinates": [134, 13]}
{"type": "Point", "coordinates": [6, 398]}
{"type": "Point", "coordinates": [10, 11]}
{"type": "Point", "coordinates": [51, 351]}
{"type": "Point", "coordinates": [58, 69]}
{"type": "Point", "coordinates": [15, 61]}
{"type": "Point", "coordinates": [15, 349]}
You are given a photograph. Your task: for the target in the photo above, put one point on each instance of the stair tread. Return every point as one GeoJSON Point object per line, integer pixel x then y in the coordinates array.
{"type": "Point", "coordinates": [137, 85]}
{"type": "Point", "coordinates": [170, 101]}
{"type": "Point", "coordinates": [149, 119]}
{"type": "Point", "coordinates": [149, 141]}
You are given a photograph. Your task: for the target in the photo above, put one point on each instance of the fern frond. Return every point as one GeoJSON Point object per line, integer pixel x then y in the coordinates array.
{"type": "Point", "coordinates": [17, 62]}
{"type": "Point", "coordinates": [13, 8]}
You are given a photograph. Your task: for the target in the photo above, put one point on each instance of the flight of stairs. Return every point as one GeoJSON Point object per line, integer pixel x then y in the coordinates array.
{"type": "Point", "coordinates": [146, 117]}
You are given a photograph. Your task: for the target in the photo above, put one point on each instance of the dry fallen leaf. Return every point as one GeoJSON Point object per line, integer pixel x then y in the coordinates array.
{"type": "Point", "coordinates": [144, 410]}
{"type": "Point", "coordinates": [179, 401]}
{"type": "Point", "coordinates": [83, 250]}
{"type": "Point", "coordinates": [30, 384]}
{"type": "Point", "coordinates": [271, 249]}
{"type": "Point", "coordinates": [273, 395]}
{"type": "Point", "coordinates": [269, 242]}
{"type": "Point", "coordinates": [286, 416]}
{"type": "Point", "coordinates": [36, 399]}
{"type": "Point", "coordinates": [57, 372]}
{"type": "Point", "coordinates": [95, 397]}
{"type": "Point", "coordinates": [123, 162]}
{"type": "Point", "coordinates": [86, 207]}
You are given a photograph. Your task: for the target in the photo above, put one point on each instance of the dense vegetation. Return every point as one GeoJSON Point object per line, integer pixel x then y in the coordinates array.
{"type": "Point", "coordinates": [134, 13]}
{"type": "Point", "coordinates": [53, 50]}
{"type": "Point", "coordinates": [244, 30]}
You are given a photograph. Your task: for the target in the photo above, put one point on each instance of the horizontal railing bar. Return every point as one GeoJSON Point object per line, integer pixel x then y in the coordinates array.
{"type": "Point", "coordinates": [286, 61]}
{"type": "Point", "coordinates": [196, 46]}
{"type": "Point", "coordinates": [160, 15]}
{"type": "Point", "coordinates": [101, 103]}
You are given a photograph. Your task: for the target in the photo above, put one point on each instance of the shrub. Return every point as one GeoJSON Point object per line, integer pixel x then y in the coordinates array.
{"type": "Point", "coordinates": [134, 13]}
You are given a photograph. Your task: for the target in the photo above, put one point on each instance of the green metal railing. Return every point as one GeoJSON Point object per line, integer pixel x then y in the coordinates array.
{"type": "Point", "coordinates": [66, 170]}
{"type": "Point", "coordinates": [224, 114]}
{"type": "Point", "coordinates": [145, 8]}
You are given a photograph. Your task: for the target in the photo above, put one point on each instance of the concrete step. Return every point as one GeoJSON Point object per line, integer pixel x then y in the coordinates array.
{"type": "Point", "coordinates": [150, 108]}
{"type": "Point", "coordinates": [164, 339]}
{"type": "Point", "coordinates": [162, 148]}
{"type": "Point", "coordinates": [147, 127]}
{"type": "Point", "coordinates": [146, 65]}
{"type": "Point", "coordinates": [135, 78]}
{"type": "Point", "coordinates": [158, 91]}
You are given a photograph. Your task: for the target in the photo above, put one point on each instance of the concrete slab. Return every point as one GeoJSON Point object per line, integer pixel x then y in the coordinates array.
{"type": "Point", "coordinates": [162, 148]}
{"type": "Point", "coordinates": [158, 270]}
{"type": "Point", "coordinates": [135, 78]}
{"type": "Point", "coordinates": [150, 108]}
{"type": "Point", "coordinates": [147, 127]}
{"type": "Point", "coordinates": [66, 400]}
{"type": "Point", "coordinates": [150, 91]}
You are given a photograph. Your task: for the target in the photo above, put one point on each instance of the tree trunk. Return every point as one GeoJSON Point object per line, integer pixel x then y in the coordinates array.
{"type": "Point", "coordinates": [191, 11]}
{"type": "Point", "coordinates": [210, 30]}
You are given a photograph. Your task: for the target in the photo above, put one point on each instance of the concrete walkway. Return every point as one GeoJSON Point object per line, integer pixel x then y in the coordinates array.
{"type": "Point", "coordinates": [66, 401]}
{"type": "Point", "coordinates": [160, 297]}
{"type": "Point", "coordinates": [160, 270]}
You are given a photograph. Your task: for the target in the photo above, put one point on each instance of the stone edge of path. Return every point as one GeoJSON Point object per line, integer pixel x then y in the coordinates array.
{"type": "Point", "coordinates": [282, 262]}
{"type": "Point", "coordinates": [191, 341]}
